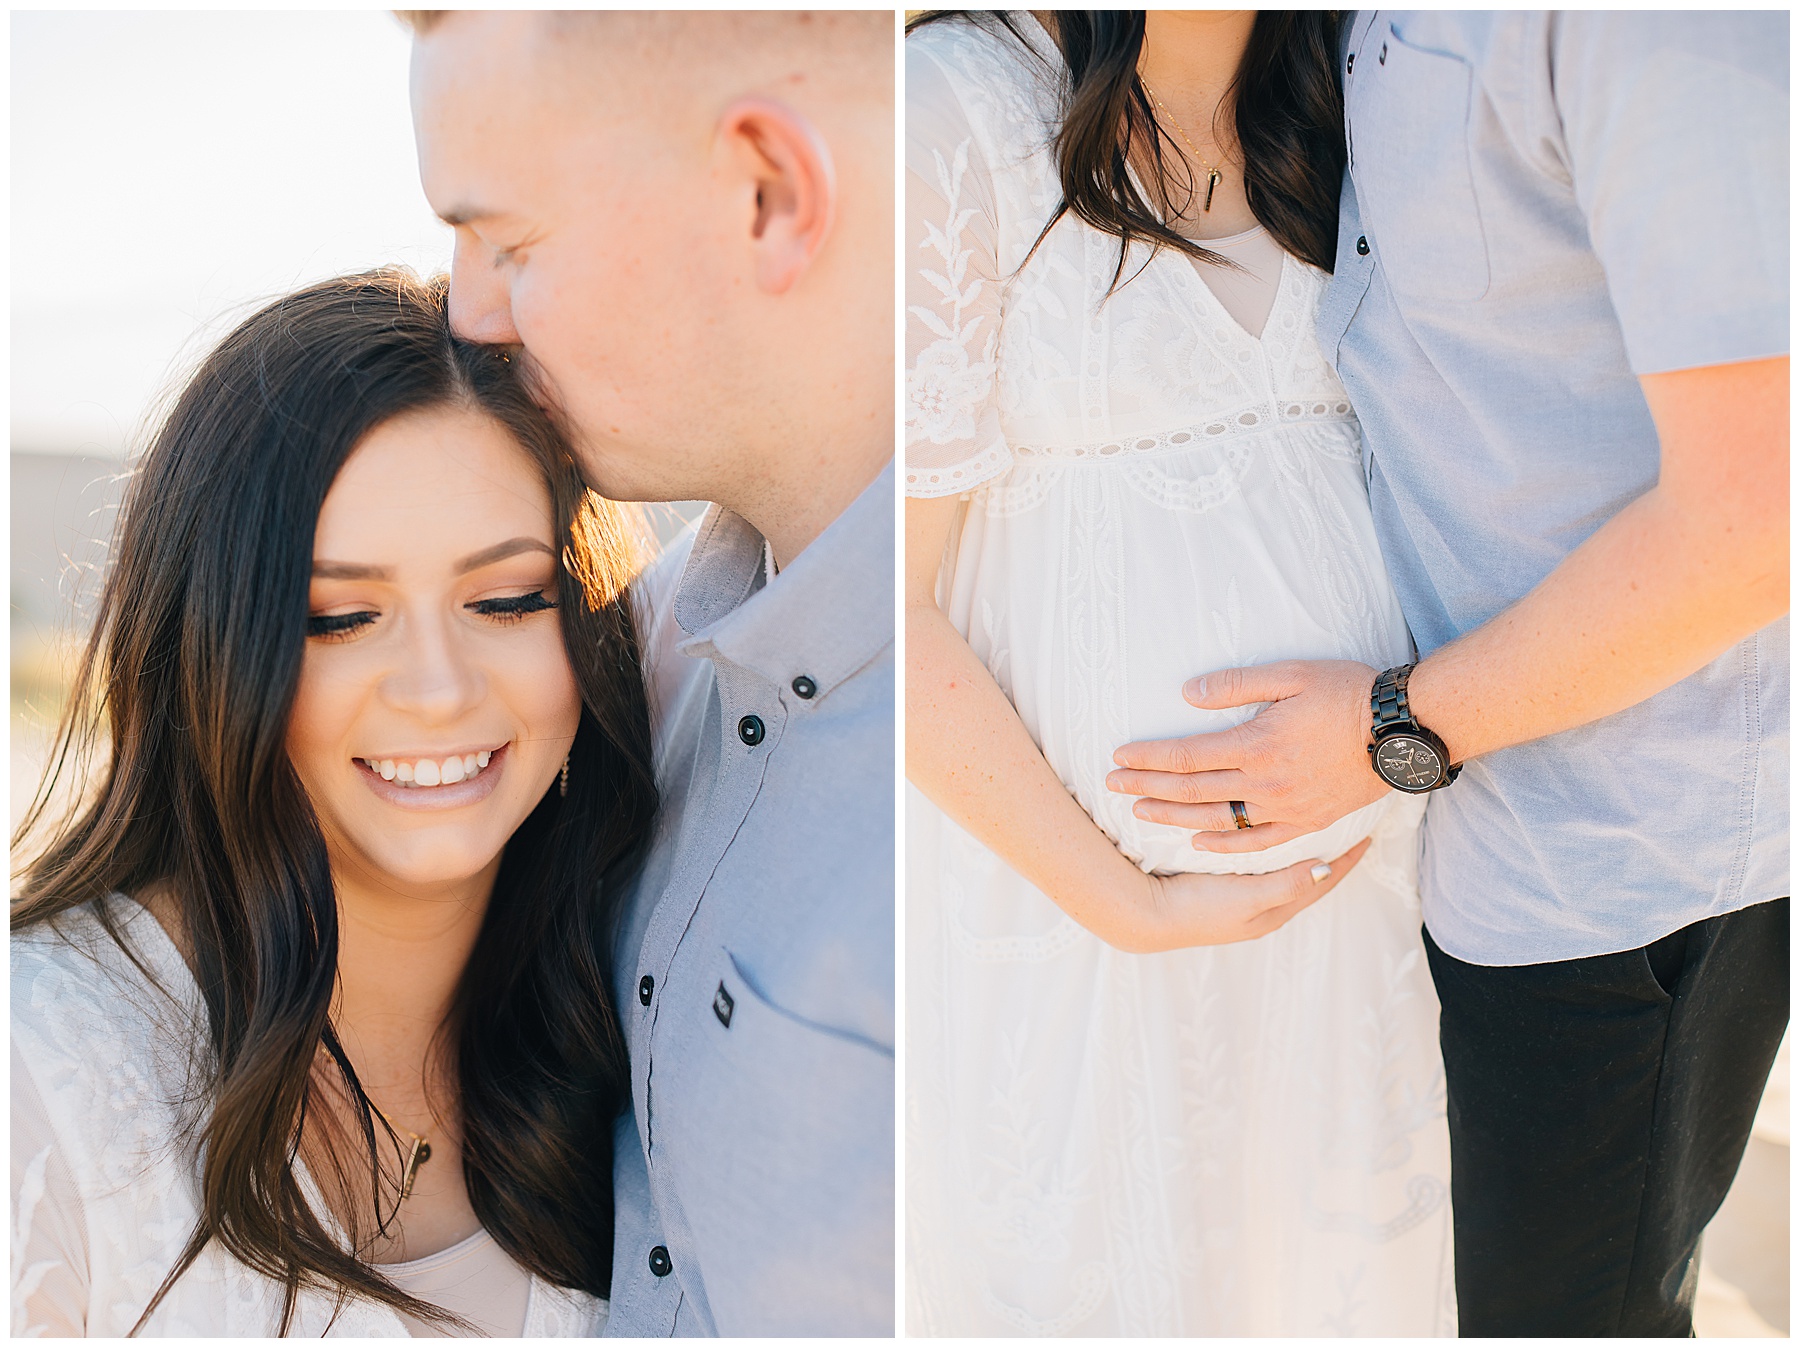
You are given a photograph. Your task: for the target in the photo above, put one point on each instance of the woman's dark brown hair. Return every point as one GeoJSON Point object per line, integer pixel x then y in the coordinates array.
{"type": "Point", "coordinates": [177, 725]}
{"type": "Point", "coordinates": [1286, 108]}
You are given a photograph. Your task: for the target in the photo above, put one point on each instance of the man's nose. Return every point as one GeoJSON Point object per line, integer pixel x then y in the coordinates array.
{"type": "Point", "coordinates": [480, 299]}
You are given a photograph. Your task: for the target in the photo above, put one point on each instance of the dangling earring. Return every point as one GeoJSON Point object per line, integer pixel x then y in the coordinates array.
{"type": "Point", "coordinates": [565, 775]}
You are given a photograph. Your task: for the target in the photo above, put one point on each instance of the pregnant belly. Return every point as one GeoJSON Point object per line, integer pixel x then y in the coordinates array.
{"type": "Point", "coordinates": [1093, 609]}
{"type": "Point", "coordinates": [1152, 708]}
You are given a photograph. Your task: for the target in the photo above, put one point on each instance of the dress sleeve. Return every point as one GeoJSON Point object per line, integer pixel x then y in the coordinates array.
{"type": "Point", "coordinates": [49, 1241]}
{"type": "Point", "coordinates": [953, 437]}
{"type": "Point", "coordinates": [1676, 128]}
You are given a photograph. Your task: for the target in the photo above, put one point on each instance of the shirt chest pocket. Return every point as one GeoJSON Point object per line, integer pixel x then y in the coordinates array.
{"type": "Point", "coordinates": [1410, 113]}
{"type": "Point", "coordinates": [783, 1134]}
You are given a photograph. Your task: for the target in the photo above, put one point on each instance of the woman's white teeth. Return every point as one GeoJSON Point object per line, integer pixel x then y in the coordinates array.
{"type": "Point", "coordinates": [427, 772]}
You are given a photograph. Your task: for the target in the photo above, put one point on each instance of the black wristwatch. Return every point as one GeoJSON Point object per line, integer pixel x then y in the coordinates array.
{"type": "Point", "coordinates": [1404, 754]}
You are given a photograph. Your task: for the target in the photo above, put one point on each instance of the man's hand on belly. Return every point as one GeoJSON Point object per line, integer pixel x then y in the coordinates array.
{"type": "Point", "coordinates": [1297, 765]}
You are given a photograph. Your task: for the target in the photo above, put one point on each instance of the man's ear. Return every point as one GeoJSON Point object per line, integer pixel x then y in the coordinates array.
{"type": "Point", "coordinates": [796, 186]}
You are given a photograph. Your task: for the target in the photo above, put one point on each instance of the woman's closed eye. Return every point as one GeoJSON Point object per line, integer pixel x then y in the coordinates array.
{"type": "Point", "coordinates": [513, 608]}
{"type": "Point", "coordinates": [335, 626]}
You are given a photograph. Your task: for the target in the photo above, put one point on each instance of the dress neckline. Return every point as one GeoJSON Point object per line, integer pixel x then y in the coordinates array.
{"type": "Point", "coordinates": [1225, 241]}
{"type": "Point", "coordinates": [1219, 311]}
{"type": "Point", "coordinates": [450, 1254]}
{"type": "Point", "coordinates": [1192, 267]}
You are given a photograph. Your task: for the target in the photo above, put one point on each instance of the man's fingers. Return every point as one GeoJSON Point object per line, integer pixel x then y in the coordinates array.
{"type": "Point", "coordinates": [1183, 788]}
{"type": "Point", "coordinates": [1225, 688]}
{"type": "Point", "coordinates": [1256, 838]}
{"type": "Point", "coordinates": [1202, 817]}
{"type": "Point", "coordinates": [1219, 751]}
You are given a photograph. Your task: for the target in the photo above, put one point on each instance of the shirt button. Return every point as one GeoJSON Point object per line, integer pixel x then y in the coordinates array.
{"type": "Point", "coordinates": [1350, 64]}
{"type": "Point", "coordinates": [750, 730]}
{"type": "Point", "coordinates": [659, 1262]}
{"type": "Point", "coordinates": [1362, 245]}
{"type": "Point", "coordinates": [804, 687]}
{"type": "Point", "coordinates": [646, 986]}
{"type": "Point", "coordinates": [1382, 59]}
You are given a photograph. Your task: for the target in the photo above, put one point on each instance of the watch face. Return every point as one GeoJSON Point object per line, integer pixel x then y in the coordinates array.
{"type": "Point", "coordinates": [1408, 763]}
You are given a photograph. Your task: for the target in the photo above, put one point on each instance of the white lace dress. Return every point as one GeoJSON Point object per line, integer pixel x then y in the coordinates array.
{"type": "Point", "coordinates": [104, 1182]}
{"type": "Point", "coordinates": [1244, 1139]}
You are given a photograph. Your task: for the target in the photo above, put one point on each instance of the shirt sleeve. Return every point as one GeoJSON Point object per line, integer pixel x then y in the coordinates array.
{"type": "Point", "coordinates": [953, 437]}
{"type": "Point", "coordinates": [49, 1241]}
{"type": "Point", "coordinates": [1676, 130]}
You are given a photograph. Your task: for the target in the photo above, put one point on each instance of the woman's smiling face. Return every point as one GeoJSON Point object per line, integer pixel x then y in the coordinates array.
{"type": "Point", "coordinates": [436, 702]}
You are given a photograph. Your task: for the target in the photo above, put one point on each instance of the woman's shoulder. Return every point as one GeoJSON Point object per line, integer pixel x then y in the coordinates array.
{"type": "Point", "coordinates": [99, 996]}
{"type": "Point", "coordinates": [94, 952]}
{"type": "Point", "coordinates": [1003, 63]}
{"type": "Point", "coordinates": [964, 40]}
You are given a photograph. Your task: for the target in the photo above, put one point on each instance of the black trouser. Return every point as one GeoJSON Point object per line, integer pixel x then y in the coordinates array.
{"type": "Point", "coordinates": [1598, 1111]}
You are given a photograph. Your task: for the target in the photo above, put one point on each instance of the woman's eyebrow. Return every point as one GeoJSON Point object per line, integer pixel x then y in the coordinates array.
{"type": "Point", "coordinates": [500, 551]}
{"type": "Point", "coordinates": [350, 571]}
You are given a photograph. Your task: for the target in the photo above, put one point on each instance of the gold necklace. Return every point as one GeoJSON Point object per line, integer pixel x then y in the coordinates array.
{"type": "Point", "coordinates": [415, 1157]}
{"type": "Point", "coordinates": [1212, 174]}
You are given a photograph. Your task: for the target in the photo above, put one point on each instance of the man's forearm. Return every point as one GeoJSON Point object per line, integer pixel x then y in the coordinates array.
{"type": "Point", "coordinates": [1667, 585]}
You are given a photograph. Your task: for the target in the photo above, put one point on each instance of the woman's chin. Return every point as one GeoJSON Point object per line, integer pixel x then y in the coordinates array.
{"type": "Point", "coordinates": [420, 862]}
{"type": "Point", "coordinates": [440, 871]}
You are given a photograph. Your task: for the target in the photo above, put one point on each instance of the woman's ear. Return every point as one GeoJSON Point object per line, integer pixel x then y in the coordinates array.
{"type": "Point", "coordinates": [796, 186]}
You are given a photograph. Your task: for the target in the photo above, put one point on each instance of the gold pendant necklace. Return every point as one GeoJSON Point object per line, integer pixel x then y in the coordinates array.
{"type": "Point", "coordinates": [416, 1156]}
{"type": "Point", "coordinates": [1212, 174]}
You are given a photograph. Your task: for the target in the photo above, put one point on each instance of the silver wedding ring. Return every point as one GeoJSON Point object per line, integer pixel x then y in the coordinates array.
{"type": "Point", "coordinates": [1321, 873]}
{"type": "Point", "coordinates": [1240, 814]}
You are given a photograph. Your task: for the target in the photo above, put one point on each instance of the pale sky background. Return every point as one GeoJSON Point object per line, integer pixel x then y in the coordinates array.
{"type": "Point", "coordinates": [169, 172]}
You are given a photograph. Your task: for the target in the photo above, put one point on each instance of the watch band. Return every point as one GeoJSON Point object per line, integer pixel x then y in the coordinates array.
{"type": "Point", "coordinates": [1387, 699]}
{"type": "Point", "coordinates": [1391, 711]}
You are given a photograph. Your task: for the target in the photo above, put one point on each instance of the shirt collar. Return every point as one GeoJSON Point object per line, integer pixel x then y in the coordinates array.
{"type": "Point", "coordinates": [826, 615]}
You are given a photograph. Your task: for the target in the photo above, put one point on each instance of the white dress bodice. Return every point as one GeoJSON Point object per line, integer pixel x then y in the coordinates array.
{"type": "Point", "coordinates": [1153, 492]}
{"type": "Point", "coordinates": [109, 1180]}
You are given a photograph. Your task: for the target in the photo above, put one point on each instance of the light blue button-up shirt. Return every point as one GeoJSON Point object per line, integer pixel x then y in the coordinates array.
{"type": "Point", "coordinates": [1540, 208]}
{"type": "Point", "coordinates": [754, 1174]}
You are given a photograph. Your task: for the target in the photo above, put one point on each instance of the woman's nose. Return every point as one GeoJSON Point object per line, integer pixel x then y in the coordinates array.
{"type": "Point", "coordinates": [434, 680]}
{"type": "Point", "coordinates": [480, 296]}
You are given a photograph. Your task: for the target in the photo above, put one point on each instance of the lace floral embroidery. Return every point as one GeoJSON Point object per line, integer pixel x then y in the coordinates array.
{"type": "Point", "coordinates": [947, 387]}
{"type": "Point", "coordinates": [27, 1277]}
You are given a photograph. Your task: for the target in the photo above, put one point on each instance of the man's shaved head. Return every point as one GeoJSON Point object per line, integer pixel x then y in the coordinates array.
{"type": "Point", "coordinates": [686, 219]}
{"type": "Point", "coordinates": [842, 48]}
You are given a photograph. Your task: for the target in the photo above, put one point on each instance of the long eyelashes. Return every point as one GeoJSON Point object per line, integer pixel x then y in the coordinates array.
{"type": "Point", "coordinates": [329, 625]}
{"type": "Point", "coordinates": [511, 609]}
{"type": "Point", "coordinates": [514, 608]}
